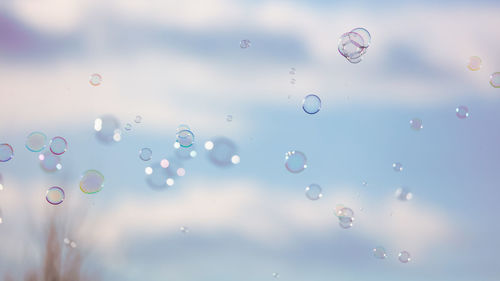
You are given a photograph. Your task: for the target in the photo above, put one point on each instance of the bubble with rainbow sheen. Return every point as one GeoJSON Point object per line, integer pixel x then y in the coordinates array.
{"type": "Point", "coordinates": [92, 181]}
{"type": "Point", "coordinates": [50, 162]}
{"type": "Point", "coordinates": [6, 152]}
{"type": "Point", "coordinates": [185, 138]}
{"type": "Point", "coordinates": [58, 145]}
{"type": "Point", "coordinates": [495, 79]}
{"type": "Point", "coordinates": [107, 129]}
{"type": "Point", "coordinates": [295, 161]}
{"type": "Point", "coordinates": [36, 141]}
{"type": "Point", "coordinates": [55, 195]}
{"type": "Point", "coordinates": [462, 112]}
{"type": "Point", "coordinates": [474, 63]}
{"type": "Point", "coordinates": [365, 35]}
{"type": "Point", "coordinates": [311, 104]}
{"type": "Point", "coordinates": [351, 45]}
{"type": "Point", "coordinates": [95, 79]}
{"type": "Point", "coordinates": [314, 191]}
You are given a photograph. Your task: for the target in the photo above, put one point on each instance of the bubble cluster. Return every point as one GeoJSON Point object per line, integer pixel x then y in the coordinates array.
{"type": "Point", "coordinates": [58, 145]}
{"type": "Point", "coordinates": [295, 161]}
{"type": "Point", "coordinates": [185, 138]}
{"type": "Point", "coordinates": [416, 124]}
{"type": "Point", "coordinates": [474, 63]}
{"type": "Point", "coordinates": [50, 162]}
{"type": "Point", "coordinates": [404, 257]}
{"type": "Point", "coordinates": [403, 194]}
{"type": "Point", "coordinates": [345, 216]}
{"type": "Point", "coordinates": [397, 167]}
{"type": "Point", "coordinates": [6, 152]}
{"type": "Point", "coordinates": [311, 104]}
{"type": "Point", "coordinates": [36, 141]}
{"type": "Point", "coordinates": [495, 79]}
{"type": "Point", "coordinates": [222, 152]}
{"type": "Point", "coordinates": [55, 195]}
{"type": "Point", "coordinates": [145, 154]}
{"type": "Point", "coordinates": [95, 79]}
{"type": "Point", "coordinates": [352, 45]}
{"type": "Point", "coordinates": [314, 191]}
{"type": "Point", "coordinates": [107, 129]}
{"type": "Point", "coordinates": [379, 253]}
{"type": "Point", "coordinates": [92, 181]}
{"type": "Point", "coordinates": [462, 112]}
{"type": "Point", "coordinates": [245, 43]}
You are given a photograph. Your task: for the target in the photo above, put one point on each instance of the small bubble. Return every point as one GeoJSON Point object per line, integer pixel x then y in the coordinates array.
{"type": "Point", "coordinates": [462, 112]}
{"type": "Point", "coordinates": [58, 145]}
{"type": "Point", "coordinates": [107, 129]}
{"type": "Point", "coordinates": [36, 141]}
{"type": "Point", "coordinates": [163, 163]}
{"type": "Point", "coordinates": [416, 124]}
{"type": "Point", "coordinates": [72, 244]}
{"type": "Point", "coordinates": [229, 118]}
{"type": "Point", "coordinates": [170, 181]}
{"type": "Point", "coordinates": [50, 162]}
{"type": "Point", "coordinates": [6, 152]}
{"type": "Point", "coordinates": [181, 172]}
{"type": "Point", "coordinates": [495, 79]}
{"type": "Point", "coordinates": [311, 104]}
{"type": "Point", "coordinates": [295, 161]}
{"type": "Point", "coordinates": [474, 63]}
{"type": "Point", "coordinates": [276, 275]}
{"type": "Point", "coordinates": [185, 138]}
{"type": "Point", "coordinates": [403, 194]}
{"type": "Point", "coordinates": [55, 195]}
{"type": "Point", "coordinates": [292, 81]}
{"type": "Point", "coordinates": [138, 119]}
{"type": "Point", "coordinates": [379, 253]}
{"type": "Point", "coordinates": [128, 127]}
{"type": "Point", "coordinates": [193, 154]}
{"type": "Point", "coordinates": [314, 191]}
{"type": "Point", "coordinates": [92, 181]}
{"type": "Point", "coordinates": [292, 71]}
{"type": "Point", "coordinates": [245, 43]}
{"type": "Point", "coordinates": [145, 154]}
{"type": "Point", "coordinates": [404, 257]}
{"type": "Point", "coordinates": [95, 79]}
{"type": "Point", "coordinates": [397, 167]}
{"type": "Point", "coordinates": [184, 229]}
{"type": "Point", "coordinates": [364, 183]}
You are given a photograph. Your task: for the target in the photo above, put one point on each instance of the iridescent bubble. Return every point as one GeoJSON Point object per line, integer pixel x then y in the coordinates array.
{"type": "Point", "coordinates": [311, 104]}
{"type": "Point", "coordinates": [351, 45]}
{"type": "Point", "coordinates": [245, 43]}
{"type": "Point", "coordinates": [138, 119]}
{"type": "Point", "coordinates": [221, 151]}
{"type": "Point", "coordinates": [462, 112]}
{"type": "Point", "coordinates": [379, 252]}
{"type": "Point", "coordinates": [404, 257]}
{"type": "Point", "coordinates": [397, 167]}
{"type": "Point", "coordinates": [365, 35]}
{"type": "Point", "coordinates": [107, 129]}
{"type": "Point", "coordinates": [495, 79]}
{"type": "Point", "coordinates": [295, 161]}
{"type": "Point", "coordinates": [50, 162]}
{"type": "Point", "coordinates": [6, 152]}
{"type": "Point", "coordinates": [145, 154]}
{"type": "Point", "coordinates": [128, 127]}
{"type": "Point", "coordinates": [185, 138]}
{"type": "Point", "coordinates": [184, 229]}
{"type": "Point", "coordinates": [355, 60]}
{"type": "Point", "coordinates": [55, 195]}
{"type": "Point", "coordinates": [416, 124]}
{"type": "Point", "coordinates": [95, 79]}
{"type": "Point", "coordinates": [36, 141]}
{"type": "Point", "coordinates": [276, 275]}
{"type": "Point", "coordinates": [346, 222]}
{"type": "Point", "coordinates": [403, 194]}
{"type": "Point", "coordinates": [474, 63]}
{"type": "Point", "coordinates": [58, 145]}
{"type": "Point", "coordinates": [314, 192]}
{"type": "Point", "coordinates": [92, 181]}
{"type": "Point", "coordinates": [345, 212]}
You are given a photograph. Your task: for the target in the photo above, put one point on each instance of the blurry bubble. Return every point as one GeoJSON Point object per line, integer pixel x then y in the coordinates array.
{"type": "Point", "coordinates": [462, 112]}
{"type": "Point", "coordinates": [355, 60]}
{"type": "Point", "coordinates": [209, 145]}
{"type": "Point", "coordinates": [292, 71]}
{"type": "Point", "coordinates": [235, 159]}
{"type": "Point", "coordinates": [229, 118]}
{"type": "Point", "coordinates": [92, 181]}
{"type": "Point", "coordinates": [184, 229]}
{"type": "Point", "coordinates": [364, 183]}
{"type": "Point", "coordinates": [379, 252]}
{"type": "Point", "coordinates": [193, 154]}
{"type": "Point", "coordinates": [495, 79]}
{"type": "Point", "coordinates": [181, 172]}
{"type": "Point", "coordinates": [128, 127]}
{"type": "Point", "coordinates": [185, 152]}
{"type": "Point", "coordinates": [148, 170]}
{"type": "Point", "coordinates": [177, 145]}
{"type": "Point", "coordinates": [36, 141]}
{"type": "Point", "coordinates": [6, 152]}
{"type": "Point", "coordinates": [276, 275]}
{"type": "Point", "coordinates": [55, 195]}
{"type": "Point", "coordinates": [397, 167]}
{"type": "Point", "coordinates": [292, 81]}
{"type": "Point", "coordinates": [162, 173]}
{"type": "Point", "coordinates": [145, 154]}
{"type": "Point", "coordinates": [185, 138]}
{"type": "Point", "coordinates": [95, 79]}
{"type": "Point", "coordinates": [164, 163]}
{"type": "Point", "coordinates": [295, 161]}
{"type": "Point", "coordinates": [58, 145]}
{"type": "Point", "coordinates": [351, 45]}
{"type": "Point", "coordinates": [183, 127]}
{"type": "Point", "coordinates": [72, 244]}
{"type": "Point", "coordinates": [345, 212]}
{"type": "Point", "coordinates": [311, 104]}
{"type": "Point", "coordinates": [50, 162]}
{"type": "Point", "coordinates": [474, 63]}
{"type": "Point", "coordinates": [346, 222]}
{"type": "Point", "coordinates": [66, 241]}
{"type": "Point", "coordinates": [107, 129]}
{"type": "Point", "coordinates": [245, 43]}
{"type": "Point", "coordinates": [313, 191]}
{"type": "Point", "coordinates": [403, 194]}
{"type": "Point", "coordinates": [404, 257]}
{"type": "Point", "coordinates": [138, 119]}
{"type": "Point", "coordinates": [416, 124]}
{"type": "Point", "coordinates": [365, 35]}
{"type": "Point", "coordinates": [222, 151]}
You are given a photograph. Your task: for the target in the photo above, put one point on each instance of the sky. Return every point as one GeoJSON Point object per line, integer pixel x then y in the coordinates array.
{"type": "Point", "coordinates": [176, 63]}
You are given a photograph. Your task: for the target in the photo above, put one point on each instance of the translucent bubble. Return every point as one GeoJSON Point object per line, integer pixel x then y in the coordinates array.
{"type": "Point", "coordinates": [55, 195]}
{"type": "Point", "coordinates": [183, 127]}
{"type": "Point", "coordinates": [495, 79]}
{"type": "Point", "coordinates": [6, 152]}
{"type": "Point", "coordinates": [229, 118]}
{"type": "Point", "coordinates": [170, 181]}
{"type": "Point", "coordinates": [313, 191]}
{"type": "Point", "coordinates": [295, 161]}
{"type": "Point", "coordinates": [181, 172]}
{"type": "Point", "coordinates": [351, 45]}
{"type": "Point", "coordinates": [355, 60]}
{"type": "Point", "coordinates": [107, 129]}
{"type": "Point", "coordinates": [162, 173]}
{"type": "Point", "coordinates": [145, 154]}
{"type": "Point", "coordinates": [92, 181]}
{"type": "Point", "coordinates": [292, 71]}
{"type": "Point", "coordinates": [148, 170]}
{"type": "Point", "coordinates": [138, 119]}
{"type": "Point", "coordinates": [185, 138]}
{"type": "Point", "coordinates": [95, 79]}
{"type": "Point", "coordinates": [416, 124]}
{"type": "Point", "coordinates": [346, 222]}
{"type": "Point", "coordinates": [58, 145]}
{"type": "Point", "coordinates": [462, 112]}
{"type": "Point", "coordinates": [50, 162]}
{"type": "Point", "coordinates": [128, 127]}
{"type": "Point", "coordinates": [403, 194]}
{"type": "Point", "coordinates": [404, 257]}
{"type": "Point", "coordinates": [222, 151]}
{"type": "Point", "coordinates": [397, 167]}
{"type": "Point", "coordinates": [36, 141]}
{"type": "Point", "coordinates": [379, 253]}
{"type": "Point", "coordinates": [345, 212]}
{"type": "Point", "coordinates": [184, 229]}
{"type": "Point", "coordinates": [364, 183]}
{"type": "Point", "coordinates": [235, 159]}
{"type": "Point", "coordinates": [311, 104]}
{"type": "Point", "coordinates": [245, 43]}
{"type": "Point", "coordinates": [276, 275]}
{"type": "Point", "coordinates": [474, 63]}
{"type": "Point", "coordinates": [365, 35]}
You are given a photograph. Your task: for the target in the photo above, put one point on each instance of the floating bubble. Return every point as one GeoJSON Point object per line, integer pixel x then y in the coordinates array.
{"type": "Point", "coordinates": [379, 253]}
{"type": "Point", "coordinates": [58, 145]}
{"type": "Point", "coordinates": [184, 229]}
{"type": "Point", "coordinates": [292, 71]}
{"type": "Point", "coordinates": [344, 212]}
{"type": "Point", "coordinates": [181, 172]}
{"type": "Point", "coordinates": [276, 275]}
{"type": "Point", "coordinates": [474, 63]}
{"type": "Point", "coordinates": [235, 159]}
{"type": "Point", "coordinates": [462, 112]}
{"type": "Point", "coordinates": [185, 138]}
{"type": "Point", "coordinates": [311, 104]}
{"type": "Point", "coordinates": [295, 161]}
{"type": "Point", "coordinates": [148, 170]}
{"type": "Point", "coordinates": [50, 162]}
{"type": "Point", "coordinates": [66, 241]}
{"type": "Point", "coordinates": [355, 60]}
{"type": "Point", "coordinates": [313, 191]}
{"type": "Point", "coordinates": [6, 152]}
{"type": "Point", "coordinates": [128, 127]}
{"type": "Point", "coordinates": [145, 154]}
{"type": "Point", "coordinates": [346, 222]}
{"type": "Point", "coordinates": [397, 167]}
{"type": "Point", "coordinates": [292, 81]}
{"type": "Point", "coordinates": [365, 35]}
{"type": "Point", "coordinates": [183, 127]}
{"type": "Point", "coordinates": [95, 79]}
{"type": "Point", "coordinates": [403, 194]}
{"type": "Point", "coordinates": [209, 145]}
{"type": "Point", "coordinates": [364, 183]}
{"type": "Point", "coordinates": [36, 141]}
{"type": "Point", "coordinates": [229, 118]}
{"type": "Point", "coordinates": [245, 43]}
{"type": "Point", "coordinates": [55, 195]}
{"type": "Point", "coordinates": [404, 257]}
{"type": "Point", "coordinates": [92, 181]}
{"type": "Point", "coordinates": [107, 129]}
{"type": "Point", "coordinates": [221, 151]}
{"type": "Point", "coordinates": [170, 181]}
{"type": "Point", "coordinates": [161, 174]}
{"type": "Point", "coordinates": [185, 152]}
{"type": "Point", "coordinates": [351, 45]}
{"type": "Point", "coordinates": [495, 79]}
{"type": "Point", "coordinates": [138, 119]}
{"type": "Point", "coordinates": [416, 124]}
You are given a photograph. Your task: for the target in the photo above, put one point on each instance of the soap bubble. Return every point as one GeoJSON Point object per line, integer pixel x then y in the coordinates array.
{"type": "Point", "coordinates": [6, 152]}
{"type": "Point", "coordinates": [379, 253]}
{"type": "Point", "coordinates": [222, 151]}
{"type": "Point", "coordinates": [365, 35]}
{"type": "Point", "coordinates": [138, 119]}
{"type": "Point", "coordinates": [397, 167]}
{"type": "Point", "coordinates": [50, 162]}
{"type": "Point", "coordinates": [245, 43]}
{"type": "Point", "coordinates": [295, 161]}
{"type": "Point", "coordinates": [351, 45]}
{"type": "Point", "coordinates": [345, 212]}
{"type": "Point", "coordinates": [58, 145]}
{"type": "Point", "coordinates": [311, 104]}
{"type": "Point", "coordinates": [495, 79]}
{"type": "Point", "coordinates": [276, 275]}
{"type": "Point", "coordinates": [161, 174]}
{"type": "Point", "coordinates": [474, 63]}
{"type": "Point", "coordinates": [145, 154]}
{"type": "Point", "coordinates": [355, 60]}
{"type": "Point", "coordinates": [345, 216]}
{"type": "Point", "coordinates": [403, 194]}
{"type": "Point", "coordinates": [185, 138]}
{"type": "Point", "coordinates": [292, 71]}
{"type": "Point", "coordinates": [36, 141]}
{"type": "Point", "coordinates": [313, 191]}
{"type": "Point", "coordinates": [416, 124]}
{"type": "Point", "coordinates": [346, 222]}
{"type": "Point", "coordinates": [92, 181]}
{"type": "Point", "coordinates": [55, 195]}
{"type": "Point", "coordinates": [95, 79]}
{"type": "Point", "coordinates": [128, 127]}
{"type": "Point", "coordinates": [185, 152]}
{"type": "Point", "coordinates": [462, 112]}
{"type": "Point", "coordinates": [404, 257]}
{"type": "Point", "coordinates": [107, 129]}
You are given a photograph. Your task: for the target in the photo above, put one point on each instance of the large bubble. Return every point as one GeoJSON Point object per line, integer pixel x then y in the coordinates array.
{"type": "Point", "coordinates": [58, 145]}
{"type": "Point", "coordinates": [295, 161]}
{"type": "Point", "coordinates": [221, 151]}
{"type": "Point", "coordinates": [92, 181]}
{"type": "Point", "coordinates": [107, 129]}
{"type": "Point", "coordinates": [6, 152]}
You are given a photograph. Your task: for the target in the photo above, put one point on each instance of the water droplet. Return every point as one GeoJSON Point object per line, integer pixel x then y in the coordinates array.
{"type": "Point", "coordinates": [145, 154]}
{"type": "Point", "coordinates": [295, 161]}
{"type": "Point", "coordinates": [311, 104]}
{"type": "Point", "coordinates": [314, 191]}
